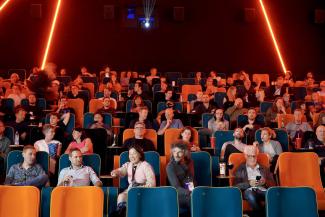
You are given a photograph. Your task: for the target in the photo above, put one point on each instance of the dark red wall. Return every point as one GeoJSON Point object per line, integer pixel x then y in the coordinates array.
{"type": "Point", "coordinates": [213, 35]}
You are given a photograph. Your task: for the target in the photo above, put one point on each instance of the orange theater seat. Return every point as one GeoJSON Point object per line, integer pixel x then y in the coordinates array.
{"type": "Point", "coordinates": [19, 201]}
{"type": "Point", "coordinates": [301, 169]}
{"type": "Point", "coordinates": [86, 201]}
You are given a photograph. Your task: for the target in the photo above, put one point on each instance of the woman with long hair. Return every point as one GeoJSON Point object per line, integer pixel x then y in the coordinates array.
{"type": "Point", "coordinates": [81, 142]}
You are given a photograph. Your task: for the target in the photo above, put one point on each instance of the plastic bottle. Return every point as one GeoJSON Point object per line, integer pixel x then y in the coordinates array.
{"type": "Point", "coordinates": [16, 138]}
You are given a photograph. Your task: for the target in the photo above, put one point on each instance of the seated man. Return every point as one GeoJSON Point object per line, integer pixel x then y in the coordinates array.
{"type": "Point", "coordinates": [20, 125]}
{"type": "Point", "coordinates": [235, 146]}
{"type": "Point", "coordinates": [297, 127]}
{"type": "Point", "coordinates": [204, 107]}
{"type": "Point", "coordinates": [34, 113]}
{"type": "Point", "coordinates": [139, 131]}
{"type": "Point", "coordinates": [251, 125]}
{"type": "Point", "coordinates": [170, 122]}
{"type": "Point", "coordinates": [253, 179]}
{"type": "Point", "coordinates": [235, 110]}
{"type": "Point", "coordinates": [63, 106]}
{"type": "Point", "coordinates": [107, 107]}
{"type": "Point", "coordinates": [143, 117]}
{"type": "Point", "coordinates": [77, 174]}
{"type": "Point", "coordinates": [28, 172]}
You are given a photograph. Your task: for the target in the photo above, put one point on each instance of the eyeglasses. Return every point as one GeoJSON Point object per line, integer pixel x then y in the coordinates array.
{"type": "Point", "coordinates": [251, 156]}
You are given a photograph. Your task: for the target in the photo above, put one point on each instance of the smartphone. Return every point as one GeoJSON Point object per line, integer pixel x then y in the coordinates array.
{"type": "Point", "coordinates": [258, 178]}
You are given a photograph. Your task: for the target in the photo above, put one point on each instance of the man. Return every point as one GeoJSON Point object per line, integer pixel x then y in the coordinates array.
{"type": "Point", "coordinates": [198, 100]}
{"type": "Point", "coordinates": [139, 132]}
{"type": "Point", "coordinates": [143, 117]}
{"type": "Point", "coordinates": [278, 89]}
{"type": "Point", "coordinates": [78, 174]}
{"type": "Point", "coordinates": [234, 146]}
{"type": "Point", "coordinates": [28, 172]}
{"type": "Point", "coordinates": [204, 107]}
{"type": "Point", "coordinates": [253, 179]}
{"type": "Point", "coordinates": [297, 127]}
{"type": "Point", "coordinates": [107, 107]}
{"type": "Point", "coordinates": [107, 93]}
{"type": "Point", "coordinates": [138, 91]}
{"type": "Point", "coordinates": [235, 110]}
{"type": "Point", "coordinates": [170, 122]}
{"type": "Point", "coordinates": [4, 147]}
{"type": "Point", "coordinates": [318, 143]}
{"type": "Point", "coordinates": [20, 125]}
{"type": "Point", "coordinates": [250, 125]}
{"type": "Point", "coordinates": [63, 106]}
{"type": "Point", "coordinates": [33, 111]}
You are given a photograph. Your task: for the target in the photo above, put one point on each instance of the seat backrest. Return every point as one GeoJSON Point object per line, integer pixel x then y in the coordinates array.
{"type": "Point", "coordinates": [91, 160]}
{"type": "Point", "coordinates": [190, 89]}
{"type": "Point", "coordinates": [41, 103]}
{"type": "Point", "coordinates": [202, 168]}
{"type": "Point", "coordinates": [264, 106]}
{"type": "Point", "coordinates": [162, 106]}
{"type": "Point", "coordinates": [89, 119]}
{"type": "Point", "coordinates": [151, 157]}
{"type": "Point", "coordinates": [15, 157]}
{"type": "Point", "coordinates": [148, 202]}
{"type": "Point", "coordinates": [209, 201]}
{"type": "Point", "coordinates": [218, 98]}
{"type": "Point", "coordinates": [9, 133]}
{"type": "Point", "coordinates": [70, 126]}
{"type": "Point", "coordinates": [284, 119]}
{"type": "Point", "coordinates": [236, 159]}
{"type": "Point", "coordinates": [8, 104]}
{"type": "Point", "coordinates": [281, 136]}
{"type": "Point", "coordinates": [171, 135]}
{"type": "Point", "coordinates": [221, 138]}
{"type": "Point", "coordinates": [151, 134]}
{"type": "Point", "coordinates": [78, 106]}
{"type": "Point", "coordinates": [186, 81]}
{"type": "Point", "coordinates": [261, 78]}
{"type": "Point", "coordinates": [291, 202]}
{"type": "Point", "coordinates": [91, 88]}
{"type": "Point", "coordinates": [110, 200]}
{"type": "Point", "coordinates": [83, 201]}
{"type": "Point", "coordinates": [19, 201]}
{"type": "Point", "coordinates": [300, 169]}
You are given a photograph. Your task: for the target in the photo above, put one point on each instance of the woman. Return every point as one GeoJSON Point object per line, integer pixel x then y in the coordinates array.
{"type": "Point", "coordinates": [186, 136]}
{"type": "Point", "coordinates": [272, 113]}
{"type": "Point", "coordinates": [218, 122]}
{"type": "Point", "coordinates": [270, 147]}
{"type": "Point", "coordinates": [210, 88]}
{"type": "Point", "coordinates": [139, 173]}
{"type": "Point", "coordinates": [53, 147]}
{"type": "Point", "coordinates": [81, 142]}
{"type": "Point", "coordinates": [137, 103]}
{"type": "Point", "coordinates": [153, 75]}
{"type": "Point", "coordinates": [229, 100]}
{"type": "Point", "coordinates": [180, 173]}
{"type": "Point", "coordinates": [113, 84]}
{"type": "Point", "coordinates": [288, 79]}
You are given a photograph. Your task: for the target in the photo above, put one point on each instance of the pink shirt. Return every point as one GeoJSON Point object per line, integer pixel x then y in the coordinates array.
{"type": "Point", "coordinates": [80, 145]}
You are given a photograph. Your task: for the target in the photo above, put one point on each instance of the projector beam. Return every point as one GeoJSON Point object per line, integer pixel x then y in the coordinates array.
{"type": "Point", "coordinates": [4, 4]}
{"type": "Point", "coordinates": [48, 45]}
{"type": "Point", "coordinates": [273, 37]}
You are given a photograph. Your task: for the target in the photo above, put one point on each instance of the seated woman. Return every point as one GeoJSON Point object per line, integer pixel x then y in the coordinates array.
{"type": "Point", "coordinates": [53, 147]}
{"type": "Point", "coordinates": [278, 107]}
{"type": "Point", "coordinates": [137, 104]}
{"type": "Point", "coordinates": [218, 122]}
{"type": "Point", "coordinates": [180, 173]}
{"type": "Point", "coordinates": [139, 172]}
{"type": "Point", "coordinates": [270, 147]}
{"type": "Point", "coordinates": [81, 142]}
{"type": "Point", "coordinates": [187, 136]}
{"type": "Point", "coordinates": [16, 94]}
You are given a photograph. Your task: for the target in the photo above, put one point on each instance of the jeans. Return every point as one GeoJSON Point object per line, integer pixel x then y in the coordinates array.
{"type": "Point", "coordinates": [255, 197]}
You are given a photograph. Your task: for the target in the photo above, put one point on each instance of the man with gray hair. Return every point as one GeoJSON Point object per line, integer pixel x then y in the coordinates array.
{"type": "Point", "coordinates": [253, 179]}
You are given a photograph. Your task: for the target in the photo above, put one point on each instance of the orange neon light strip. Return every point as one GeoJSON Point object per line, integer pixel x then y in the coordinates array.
{"type": "Point", "coordinates": [51, 34]}
{"type": "Point", "coordinates": [4, 4]}
{"type": "Point", "coordinates": [273, 37]}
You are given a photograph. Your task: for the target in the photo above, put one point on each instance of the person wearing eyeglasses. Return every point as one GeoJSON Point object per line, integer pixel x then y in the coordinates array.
{"type": "Point", "coordinates": [138, 139]}
{"type": "Point", "coordinates": [253, 179]}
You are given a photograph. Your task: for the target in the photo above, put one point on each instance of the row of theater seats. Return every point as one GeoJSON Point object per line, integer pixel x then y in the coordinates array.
{"type": "Point", "coordinates": [148, 202]}
{"type": "Point", "coordinates": [293, 169]}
